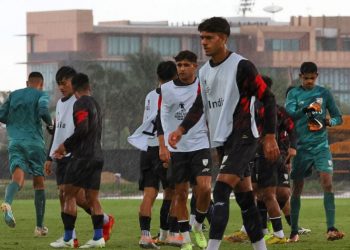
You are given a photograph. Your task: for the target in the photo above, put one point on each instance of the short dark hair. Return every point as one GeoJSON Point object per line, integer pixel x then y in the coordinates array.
{"type": "Point", "coordinates": [215, 24]}
{"type": "Point", "coordinates": [267, 80]}
{"type": "Point", "coordinates": [166, 71]}
{"type": "Point", "coordinates": [80, 82]}
{"type": "Point", "coordinates": [186, 55]}
{"type": "Point", "coordinates": [65, 72]}
{"type": "Point", "coordinates": [36, 74]}
{"type": "Point", "coordinates": [308, 67]}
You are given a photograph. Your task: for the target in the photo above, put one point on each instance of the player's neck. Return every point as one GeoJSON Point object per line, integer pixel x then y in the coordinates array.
{"type": "Point", "coordinates": [220, 56]}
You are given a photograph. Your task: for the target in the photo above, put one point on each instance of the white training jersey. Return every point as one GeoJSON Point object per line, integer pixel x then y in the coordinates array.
{"type": "Point", "coordinates": [150, 113]}
{"type": "Point", "coordinates": [176, 102]}
{"type": "Point", "coordinates": [220, 96]}
{"type": "Point", "coordinates": [145, 136]}
{"type": "Point", "coordinates": [64, 126]}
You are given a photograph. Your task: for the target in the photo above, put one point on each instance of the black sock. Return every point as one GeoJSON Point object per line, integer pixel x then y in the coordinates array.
{"type": "Point", "coordinates": [97, 221]}
{"type": "Point", "coordinates": [145, 223]}
{"type": "Point", "coordinates": [164, 212]}
{"type": "Point", "coordinates": [184, 226]}
{"type": "Point", "coordinates": [221, 209]}
{"type": "Point", "coordinates": [200, 216]}
{"type": "Point", "coordinates": [276, 224]}
{"type": "Point", "coordinates": [173, 224]}
{"type": "Point", "coordinates": [88, 210]}
{"type": "Point", "coordinates": [210, 211]}
{"type": "Point", "coordinates": [193, 204]}
{"type": "Point", "coordinates": [263, 213]}
{"type": "Point", "coordinates": [68, 221]}
{"type": "Point", "coordinates": [250, 215]}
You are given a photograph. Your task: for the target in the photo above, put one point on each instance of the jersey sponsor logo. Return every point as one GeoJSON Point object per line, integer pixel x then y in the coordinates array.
{"type": "Point", "coordinates": [330, 163]}
{"type": "Point", "coordinates": [216, 104]}
{"type": "Point", "coordinates": [205, 162]}
{"type": "Point", "coordinates": [285, 176]}
{"type": "Point", "coordinates": [148, 105]}
{"type": "Point", "coordinates": [60, 125]}
{"type": "Point", "coordinates": [181, 114]}
{"type": "Point", "coordinates": [204, 170]}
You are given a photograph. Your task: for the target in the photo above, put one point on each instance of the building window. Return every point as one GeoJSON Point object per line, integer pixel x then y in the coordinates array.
{"type": "Point", "coordinates": [282, 44]}
{"type": "Point", "coordinates": [166, 46]}
{"type": "Point", "coordinates": [48, 70]}
{"type": "Point", "coordinates": [123, 45]}
{"type": "Point", "coordinates": [346, 44]}
{"type": "Point", "coordinates": [326, 44]}
{"type": "Point", "coordinates": [196, 46]}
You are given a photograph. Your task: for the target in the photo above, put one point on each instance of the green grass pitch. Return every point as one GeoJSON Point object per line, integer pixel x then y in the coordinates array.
{"type": "Point", "coordinates": [126, 232]}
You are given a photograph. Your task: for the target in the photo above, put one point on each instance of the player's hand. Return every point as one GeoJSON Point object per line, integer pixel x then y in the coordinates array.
{"type": "Point", "coordinates": [175, 137]}
{"type": "Point", "coordinates": [271, 150]}
{"type": "Point", "coordinates": [291, 153]}
{"type": "Point", "coordinates": [60, 152]}
{"type": "Point", "coordinates": [313, 107]}
{"type": "Point", "coordinates": [164, 156]}
{"type": "Point", "coordinates": [47, 168]}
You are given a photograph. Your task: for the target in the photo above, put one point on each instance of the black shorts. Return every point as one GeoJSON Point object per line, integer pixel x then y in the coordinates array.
{"type": "Point", "coordinates": [283, 177]}
{"type": "Point", "coordinates": [84, 173]}
{"type": "Point", "coordinates": [152, 171]}
{"type": "Point", "coordinates": [239, 150]}
{"type": "Point", "coordinates": [186, 166]}
{"type": "Point", "coordinates": [61, 166]}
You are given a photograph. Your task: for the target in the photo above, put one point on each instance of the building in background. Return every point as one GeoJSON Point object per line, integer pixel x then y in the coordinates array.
{"type": "Point", "coordinates": [58, 37]}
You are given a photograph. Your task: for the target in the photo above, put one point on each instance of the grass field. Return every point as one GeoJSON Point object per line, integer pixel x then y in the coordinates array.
{"type": "Point", "coordinates": [126, 231]}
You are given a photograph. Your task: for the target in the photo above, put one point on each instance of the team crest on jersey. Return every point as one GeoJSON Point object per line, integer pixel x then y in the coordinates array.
{"type": "Point", "coordinates": [205, 162]}
{"type": "Point", "coordinates": [319, 100]}
{"type": "Point", "coordinates": [206, 87]}
{"type": "Point", "coordinates": [330, 163]}
{"type": "Point", "coordinates": [180, 115]}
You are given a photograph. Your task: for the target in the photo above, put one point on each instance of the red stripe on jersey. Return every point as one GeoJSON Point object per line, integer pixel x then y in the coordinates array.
{"type": "Point", "coordinates": [199, 89]}
{"type": "Point", "coordinates": [81, 116]}
{"type": "Point", "coordinates": [159, 101]}
{"type": "Point", "coordinates": [261, 86]}
{"type": "Point", "coordinates": [245, 103]}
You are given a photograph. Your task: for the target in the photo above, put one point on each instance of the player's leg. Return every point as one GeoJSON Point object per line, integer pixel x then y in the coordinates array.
{"type": "Point", "coordinates": [40, 203]}
{"type": "Point", "coordinates": [18, 165]}
{"type": "Point", "coordinates": [90, 181]}
{"type": "Point", "coordinates": [168, 194]}
{"type": "Point", "coordinates": [181, 194]}
{"type": "Point", "coordinates": [201, 171]}
{"type": "Point", "coordinates": [149, 184]}
{"type": "Point", "coordinates": [329, 205]}
{"type": "Point", "coordinates": [12, 188]}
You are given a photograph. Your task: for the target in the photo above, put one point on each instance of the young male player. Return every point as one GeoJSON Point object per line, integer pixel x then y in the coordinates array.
{"type": "Point", "coordinates": [228, 83]}
{"type": "Point", "coordinates": [308, 105]}
{"type": "Point", "coordinates": [64, 127]}
{"type": "Point", "coordinates": [152, 171]}
{"type": "Point", "coordinates": [85, 167]}
{"type": "Point", "coordinates": [190, 161]}
{"type": "Point", "coordinates": [22, 113]}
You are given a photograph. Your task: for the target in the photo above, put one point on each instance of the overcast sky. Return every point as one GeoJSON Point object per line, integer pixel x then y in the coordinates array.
{"type": "Point", "coordinates": [13, 47]}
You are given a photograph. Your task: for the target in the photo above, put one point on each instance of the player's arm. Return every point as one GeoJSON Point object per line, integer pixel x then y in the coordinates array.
{"type": "Point", "coordinates": [334, 112]}
{"type": "Point", "coordinates": [192, 117]}
{"type": "Point", "coordinates": [250, 83]}
{"type": "Point", "coordinates": [164, 154]}
{"type": "Point", "coordinates": [292, 107]}
{"type": "Point", "coordinates": [43, 104]}
{"type": "Point", "coordinates": [4, 110]}
{"type": "Point", "coordinates": [288, 126]}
